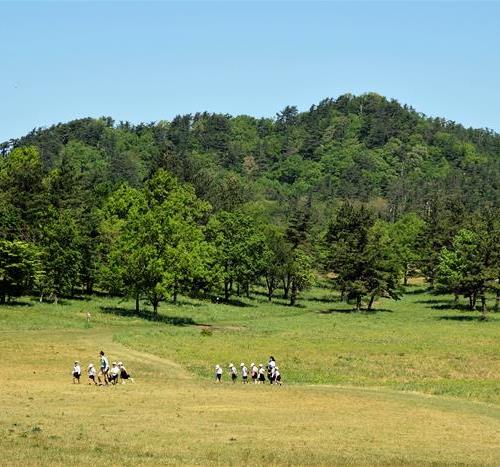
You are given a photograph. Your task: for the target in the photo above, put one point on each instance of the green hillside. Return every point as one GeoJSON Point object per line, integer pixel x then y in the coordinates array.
{"type": "Point", "coordinates": [361, 190]}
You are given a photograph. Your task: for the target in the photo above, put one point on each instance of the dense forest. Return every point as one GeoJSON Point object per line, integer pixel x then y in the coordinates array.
{"type": "Point", "coordinates": [359, 192]}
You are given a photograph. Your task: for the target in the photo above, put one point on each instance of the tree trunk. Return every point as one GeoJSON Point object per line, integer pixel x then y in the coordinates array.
{"type": "Point", "coordinates": [270, 288]}
{"type": "Point", "coordinates": [293, 294]}
{"type": "Point", "coordinates": [226, 290]}
{"type": "Point", "coordinates": [405, 276]}
{"type": "Point", "coordinates": [247, 290]}
{"type": "Point", "coordinates": [358, 302]}
{"type": "Point", "coordinates": [483, 307]}
{"type": "Point", "coordinates": [370, 303]}
{"type": "Point", "coordinates": [137, 302]}
{"type": "Point", "coordinates": [286, 287]}
{"type": "Point", "coordinates": [174, 297]}
{"type": "Point", "coordinates": [2, 298]}
{"type": "Point", "coordinates": [155, 300]}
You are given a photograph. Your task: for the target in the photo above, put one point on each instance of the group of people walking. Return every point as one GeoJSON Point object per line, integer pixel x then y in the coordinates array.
{"type": "Point", "coordinates": [106, 375]}
{"type": "Point", "coordinates": [117, 372]}
{"type": "Point", "coordinates": [258, 373]}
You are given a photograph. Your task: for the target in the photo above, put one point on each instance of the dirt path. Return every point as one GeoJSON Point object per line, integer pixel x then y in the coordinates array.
{"type": "Point", "coordinates": [91, 342]}
{"type": "Point", "coordinates": [142, 358]}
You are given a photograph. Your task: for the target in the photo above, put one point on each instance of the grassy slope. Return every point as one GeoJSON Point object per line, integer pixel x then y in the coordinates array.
{"type": "Point", "coordinates": [174, 415]}
{"type": "Point", "coordinates": [413, 345]}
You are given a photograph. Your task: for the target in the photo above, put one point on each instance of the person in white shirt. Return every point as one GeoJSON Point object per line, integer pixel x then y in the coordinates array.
{"type": "Point", "coordinates": [262, 374]}
{"type": "Point", "coordinates": [270, 369]}
{"type": "Point", "coordinates": [124, 374]}
{"type": "Point", "coordinates": [114, 373]}
{"type": "Point", "coordinates": [234, 372]}
{"type": "Point", "coordinates": [218, 374]}
{"type": "Point", "coordinates": [92, 374]}
{"type": "Point", "coordinates": [254, 372]}
{"type": "Point", "coordinates": [277, 376]}
{"type": "Point", "coordinates": [244, 373]}
{"type": "Point", "coordinates": [77, 372]}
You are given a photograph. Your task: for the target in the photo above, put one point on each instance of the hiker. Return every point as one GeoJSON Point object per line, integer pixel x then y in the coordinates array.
{"type": "Point", "coordinates": [218, 374]}
{"type": "Point", "coordinates": [277, 376]}
{"type": "Point", "coordinates": [272, 361]}
{"type": "Point", "coordinates": [104, 368]}
{"type": "Point", "coordinates": [77, 372]}
{"type": "Point", "coordinates": [262, 374]}
{"type": "Point", "coordinates": [254, 373]}
{"type": "Point", "coordinates": [234, 373]}
{"type": "Point", "coordinates": [91, 374]}
{"type": "Point", "coordinates": [270, 369]}
{"type": "Point", "coordinates": [124, 375]}
{"type": "Point", "coordinates": [244, 373]}
{"type": "Point", "coordinates": [114, 373]}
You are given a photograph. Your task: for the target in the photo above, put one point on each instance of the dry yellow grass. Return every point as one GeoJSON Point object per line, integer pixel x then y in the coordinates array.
{"type": "Point", "coordinates": [169, 416]}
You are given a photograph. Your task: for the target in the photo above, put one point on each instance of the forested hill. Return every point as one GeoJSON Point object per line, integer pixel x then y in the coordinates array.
{"type": "Point", "coordinates": [361, 187]}
{"type": "Point", "coordinates": [364, 148]}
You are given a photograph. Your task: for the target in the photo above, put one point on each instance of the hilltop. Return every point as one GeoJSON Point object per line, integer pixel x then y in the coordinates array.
{"type": "Point", "coordinates": [366, 148]}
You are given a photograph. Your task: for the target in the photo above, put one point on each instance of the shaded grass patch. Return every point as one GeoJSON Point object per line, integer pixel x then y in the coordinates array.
{"type": "Point", "coordinates": [149, 316]}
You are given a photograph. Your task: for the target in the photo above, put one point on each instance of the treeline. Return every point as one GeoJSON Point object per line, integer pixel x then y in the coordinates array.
{"type": "Point", "coordinates": [360, 190]}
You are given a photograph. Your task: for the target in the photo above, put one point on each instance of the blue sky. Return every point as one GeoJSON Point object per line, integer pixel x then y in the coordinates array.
{"type": "Point", "coordinates": [147, 61]}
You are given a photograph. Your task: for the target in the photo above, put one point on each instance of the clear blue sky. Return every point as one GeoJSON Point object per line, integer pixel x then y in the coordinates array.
{"type": "Point", "coordinates": [147, 61]}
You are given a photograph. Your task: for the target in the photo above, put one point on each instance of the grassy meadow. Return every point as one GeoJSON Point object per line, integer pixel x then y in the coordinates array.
{"type": "Point", "coordinates": [414, 382]}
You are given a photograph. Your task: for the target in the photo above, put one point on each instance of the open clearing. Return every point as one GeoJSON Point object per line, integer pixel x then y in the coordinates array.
{"type": "Point", "coordinates": [448, 414]}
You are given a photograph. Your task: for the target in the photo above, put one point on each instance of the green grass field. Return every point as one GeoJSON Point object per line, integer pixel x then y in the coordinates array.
{"type": "Point", "coordinates": [412, 383]}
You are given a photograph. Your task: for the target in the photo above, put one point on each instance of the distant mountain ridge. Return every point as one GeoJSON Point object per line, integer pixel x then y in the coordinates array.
{"type": "Point", "coordinates": [365, 148]}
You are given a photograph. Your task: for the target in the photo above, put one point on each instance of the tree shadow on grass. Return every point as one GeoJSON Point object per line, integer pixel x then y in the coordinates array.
{"type": "Point", "coordinates": [462, 318]}
{"type": "Point", "coordinates": [432, 301]}
{"type": "Point", "coordinates": [451, 306]}
{"type": "Point", "coordinates": [286, 303]}
{"type": "Point", "coordinates": [181, 302]}
{"type": "Point", "coordinates": [16, 303]}
{"type": "Point", "coordinates": [100, 293]}
{"type": "Point", "coordinates": [409, 290]}
{"type": "Point", "coordinates": [259, 293]}
{"type": "Point", "coordinates": [444, 304]}
{"type": "Point", "coordinates": [332, 311]}
{"type": "Point", "coordinates": [236, 302]}
{"type": "Point", "coordinates": [274, 301]}
{"type": "Point", "coordinates": [323, 299]}
{"type": "Point", "coordinates": [77, 298]}
{"type": "Point", "coordinates": [149, 315]}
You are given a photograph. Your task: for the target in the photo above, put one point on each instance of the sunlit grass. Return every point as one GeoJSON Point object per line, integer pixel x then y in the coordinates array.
{"type": "Point", "coordinates": [358, 386]}
{"type": "Point", "coordinates": [412, 344]}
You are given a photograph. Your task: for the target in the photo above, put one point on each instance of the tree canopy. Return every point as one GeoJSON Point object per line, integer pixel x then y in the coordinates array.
{"type": "Point", "coordinates": [360, 189]}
